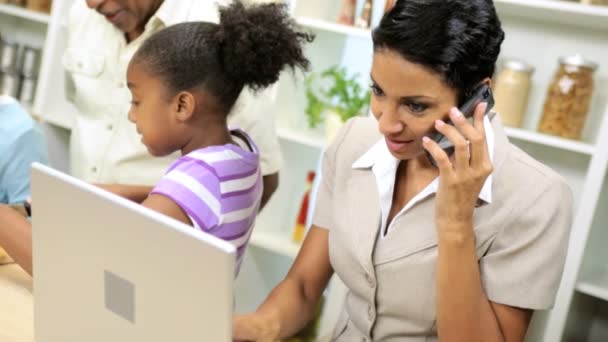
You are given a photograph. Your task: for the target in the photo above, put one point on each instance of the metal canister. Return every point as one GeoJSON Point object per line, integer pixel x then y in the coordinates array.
{"type": "Point", "coordinates": [30, 61]}
{"type": "Point", "coordinates": [28, 91]}
{"type": "Point", "coordinates": [9, 84]}
{"type": "Point", "coordinates": [9, 57]}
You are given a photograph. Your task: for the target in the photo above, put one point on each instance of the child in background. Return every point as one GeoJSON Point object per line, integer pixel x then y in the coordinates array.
{"type": "Point", "coordinates": [21, 144]}
{"type": "Point", "coordinates": [184, 80]}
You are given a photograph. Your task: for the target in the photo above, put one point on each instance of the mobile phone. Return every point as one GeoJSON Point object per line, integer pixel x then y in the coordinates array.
{"type": "Point", "coordinates": [482, 94]}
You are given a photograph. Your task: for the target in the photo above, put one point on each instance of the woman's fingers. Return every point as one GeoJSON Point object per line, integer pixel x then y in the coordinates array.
{"type": "Point", "coordinates": [461, 145]}
{"type": "Point", "coordinates": [441, 158]}
{"type": "Point", "coordinates": [475, 134]}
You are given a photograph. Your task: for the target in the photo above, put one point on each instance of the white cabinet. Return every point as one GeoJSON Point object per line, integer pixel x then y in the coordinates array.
{"type": "Point", "coordinates": [41, 31]}
{"type": "Point", "coordinates": [538, 31]}
{"type": "Point", "coordinates": [22, 25]}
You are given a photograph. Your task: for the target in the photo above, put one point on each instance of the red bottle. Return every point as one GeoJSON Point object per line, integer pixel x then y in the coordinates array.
{"type": "Point", "coordinates": [300, 228]}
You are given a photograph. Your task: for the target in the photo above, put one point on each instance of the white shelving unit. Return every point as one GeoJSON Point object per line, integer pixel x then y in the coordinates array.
{"type": "Point", "coordinates": [596, 287]}
{"type": "Point", "coordinates": [305, 138]}
{"type": "Point", "coordinates": [280, 245]}
{"type": "Point", "coordinates": [22, 13]}
{"type": "Point", "coordinates": [23, 26]}
{"type": "Point", "coordinates": [549, 140]}
{"type": "Point", "coordinates": [538, 31]}
{"type": "Point", "coordinates": [335, 28]}
{"type": "Point", "coordinates": [32, 28]}
{"type": "Point", "coordinates": [513, 133]}
{"type": "Point", "coordinates": [557, 12]}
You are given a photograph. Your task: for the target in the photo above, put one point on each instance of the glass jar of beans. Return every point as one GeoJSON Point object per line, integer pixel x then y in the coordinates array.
{"type": "Point", "coordinates": [569, 97]}
{"type": "Point", "coordinates": [511, 91]}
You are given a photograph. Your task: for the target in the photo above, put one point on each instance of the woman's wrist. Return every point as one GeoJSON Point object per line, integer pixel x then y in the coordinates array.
{"type": "Point", "coordinates": [258, 326]}
{"type": "Point", "coordinates": [271, 322]}
{"type": "Point", "coordinates": [455, 232]}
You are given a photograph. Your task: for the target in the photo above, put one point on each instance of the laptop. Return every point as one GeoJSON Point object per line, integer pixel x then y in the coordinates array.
{"type": "Point", "coordinates": [107, 269]}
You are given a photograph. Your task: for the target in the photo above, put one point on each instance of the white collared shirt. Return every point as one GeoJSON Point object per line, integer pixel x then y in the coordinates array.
{"type": "Point", "coordinates": [384, 166]}
{"type": "Point", "coordinates": [105, 146]}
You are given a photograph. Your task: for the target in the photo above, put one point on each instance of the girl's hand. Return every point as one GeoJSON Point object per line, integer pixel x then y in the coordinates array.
{"type": "Point", "coordinates": [254, 328]}
{"type": "Point", "coordinates": [461, 176]}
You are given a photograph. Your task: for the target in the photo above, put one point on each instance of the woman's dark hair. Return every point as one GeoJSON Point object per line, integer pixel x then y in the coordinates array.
{"type": "Point", "coordinates": [249, 47]}
{"type": "Point", "coordinates": [458, 39]}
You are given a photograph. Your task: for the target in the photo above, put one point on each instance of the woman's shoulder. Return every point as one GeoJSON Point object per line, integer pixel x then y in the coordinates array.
{"type": "Point", "coordinates": [526, 166]}
{"type": "Point", "coordinates": [355, 138]}
{"type": "Point", "coordinates": [522, 175]}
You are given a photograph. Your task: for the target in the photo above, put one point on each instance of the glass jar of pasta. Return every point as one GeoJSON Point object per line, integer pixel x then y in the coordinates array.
{"type": "Point", "coordinates": [569, 97]}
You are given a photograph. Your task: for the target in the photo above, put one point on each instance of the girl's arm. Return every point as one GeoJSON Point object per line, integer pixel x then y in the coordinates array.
{"type": "Point", "coordinates": [165, 205]}
{"type": "Point", "coordinates": [135, 193]}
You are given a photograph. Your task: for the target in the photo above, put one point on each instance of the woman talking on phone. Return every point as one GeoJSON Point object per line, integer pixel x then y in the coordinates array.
{"type": "Point", "coordinates": [462, 251]}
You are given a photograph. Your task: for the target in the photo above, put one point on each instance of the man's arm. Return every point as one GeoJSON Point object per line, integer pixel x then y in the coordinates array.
{"type": "Point", "coordinates": [16, 237]}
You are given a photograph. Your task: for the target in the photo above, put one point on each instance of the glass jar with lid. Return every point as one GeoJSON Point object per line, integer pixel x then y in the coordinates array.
{"type": "Point", "coordinates": [595, 2]}
{"type": "Point", "coordinates": [512, 90]}
{"type": "Point", "coordinates": [569, 97]}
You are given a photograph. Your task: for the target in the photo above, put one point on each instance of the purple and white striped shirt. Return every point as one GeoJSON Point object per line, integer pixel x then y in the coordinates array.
{"type": "Point", "coordinates": [219, 188]}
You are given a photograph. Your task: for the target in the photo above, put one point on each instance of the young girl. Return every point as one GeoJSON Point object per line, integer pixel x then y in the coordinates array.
{"type": "Point", "coordinates": [184, 81]}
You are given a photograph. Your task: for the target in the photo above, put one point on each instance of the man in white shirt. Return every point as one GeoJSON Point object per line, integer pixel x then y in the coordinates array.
{"type": "Point", "coordinates": [105, 147]}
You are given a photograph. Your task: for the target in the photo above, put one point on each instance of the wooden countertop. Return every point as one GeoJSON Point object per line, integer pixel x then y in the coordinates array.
{"type": "Point", "coordinates": [16, 305]}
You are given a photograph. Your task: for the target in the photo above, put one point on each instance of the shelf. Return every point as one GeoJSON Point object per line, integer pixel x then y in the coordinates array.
{"type": "Point", "coordinates": [24, 13]}
{"type": "Point", "coordinates": [555, 11]}
{"type": "Point", "coordinates": [549, 140]}
{"type": "Point", "coordinates": [513, 133]}
{"type": "Point", "coordinates": [334, 27]}
{"type": "Point", "coordinates": [301, 137]}
{"type": "Point", "coordinates": [595, 286]}
{"type": "Point", "coordinates": [275, 242]}
{"type": "Point", "coordinates": [64, 120]}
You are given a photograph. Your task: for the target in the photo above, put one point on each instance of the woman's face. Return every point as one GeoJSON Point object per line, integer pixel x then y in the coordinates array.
{"type": "Point", "coordinates": [153, 112]}
{"type": "Point", "coordinates": [407, 98]}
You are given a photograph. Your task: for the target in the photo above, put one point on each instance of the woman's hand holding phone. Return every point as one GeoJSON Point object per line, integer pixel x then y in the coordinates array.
{"type": "Point", "coordinates": [462, 176]}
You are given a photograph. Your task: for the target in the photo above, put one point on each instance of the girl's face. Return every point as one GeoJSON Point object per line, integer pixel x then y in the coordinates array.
{"type": "Point", "coordinates": [407, 98]}
{"type": "Point", "coordinates": [154, 113]}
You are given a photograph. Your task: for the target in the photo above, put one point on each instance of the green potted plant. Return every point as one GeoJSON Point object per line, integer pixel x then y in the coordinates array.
{"type": "Point", "coordinates": [334, 97]}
